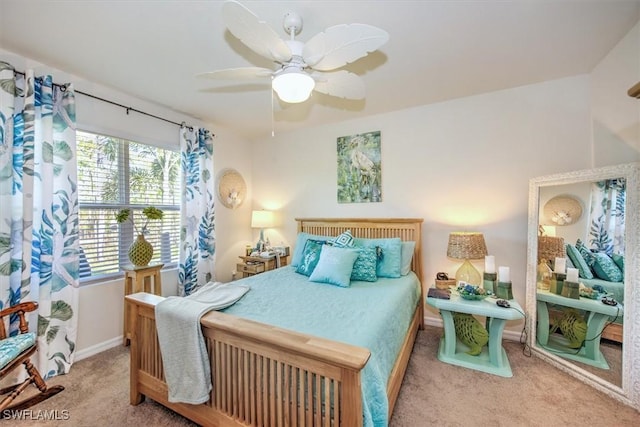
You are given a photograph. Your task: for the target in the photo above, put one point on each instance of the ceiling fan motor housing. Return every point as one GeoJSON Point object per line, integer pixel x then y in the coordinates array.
{"type": "Point", "coordinates": [292, 23]}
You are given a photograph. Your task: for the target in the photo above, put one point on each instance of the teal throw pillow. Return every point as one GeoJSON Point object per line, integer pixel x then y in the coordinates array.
{"type": "Point", "coordinates": [605, 268]}
{"type": "Point", "coordinates": [577, 260]}
{"type": "Point", "coordinates": [365, 266]}
{"type": "Point", "coordinates": [586, 253]}
{"type": "Point", "coordinates": [310, 256]}
{"type": "Point", "coordinates": [344, 240]}
{"type": "Point", "coordinates": [407, 256]}
{"type": "Point", "coordinates": [298, 249]}
{"type": "Point", "coordinates": [335, 266]}
{"type": "Point", "coordinates": [569, 262]}
{"type": "Point", "coordinates": [389, 255]}
{"type": "Point", "coordinates": [619, 260]}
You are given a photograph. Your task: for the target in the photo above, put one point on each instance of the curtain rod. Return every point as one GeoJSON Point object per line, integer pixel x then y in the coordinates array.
{"type": "Point", "coordinates": [128, 109]}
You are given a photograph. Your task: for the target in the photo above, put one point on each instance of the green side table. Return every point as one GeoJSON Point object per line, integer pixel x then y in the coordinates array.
{"type": "Point", "coordinates": [598, 314]}
{"type": "Point", "coordinates": [493, 358]}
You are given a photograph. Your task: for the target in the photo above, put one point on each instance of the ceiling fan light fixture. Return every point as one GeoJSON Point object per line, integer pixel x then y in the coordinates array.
{"type": "Point", "coordinates": [293, 86]}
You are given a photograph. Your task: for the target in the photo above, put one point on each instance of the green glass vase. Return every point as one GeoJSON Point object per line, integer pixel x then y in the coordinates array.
{"type": "Point", "coordinates": [140, 252]}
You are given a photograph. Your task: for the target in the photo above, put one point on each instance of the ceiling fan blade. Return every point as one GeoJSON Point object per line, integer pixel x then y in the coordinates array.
{"type": "Point", "coordinates": [237, 73]}
{"type": "Point", "coordinates": [342, 84]}
{"type": "Point", "coordinates": [256, 34]}
{"type": "Point", "coordinates": [342, 44]}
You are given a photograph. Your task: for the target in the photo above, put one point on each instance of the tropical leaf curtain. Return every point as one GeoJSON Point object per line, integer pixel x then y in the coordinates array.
{"type": "Point", "coordinates": [197, 231]}
{"type": "Point", "coordinates": [39, 211]}
{"type": "Point", "coordinates": [606, 216]}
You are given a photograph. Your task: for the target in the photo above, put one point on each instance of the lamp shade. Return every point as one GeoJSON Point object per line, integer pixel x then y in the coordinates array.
{"type": "Point", "coordinates": [465, 245]}
{"type": "Point", "coordinates": [261, 219]}
{"type": "Point", "coordinates": [550, 248]}
{"type": "Point", "coordinates": [293, 86]}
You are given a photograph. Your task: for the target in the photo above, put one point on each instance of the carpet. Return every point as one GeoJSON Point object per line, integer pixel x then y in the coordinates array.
{"type": "Point", "coordinates": [432, 393]}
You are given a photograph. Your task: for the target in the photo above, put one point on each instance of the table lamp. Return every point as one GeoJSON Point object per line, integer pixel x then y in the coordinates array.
{"type": "Point", "coordinates": [550, 248]}
{"type": "Point", "coordinates": [466, 246]}
{"type": "Point", "coordinates": [261, 219]}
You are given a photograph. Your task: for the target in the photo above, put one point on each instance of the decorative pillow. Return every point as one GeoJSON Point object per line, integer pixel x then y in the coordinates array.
{"type": "Point", "coordinates": [345, 240]}
{"type": "Point", "coordinates": [586, 253]}
{"type": "Point", "coordinates": [390, 255]}
{"type": "Point", "coordinates": [310, 256]}
{"type": "Point", "coordinates": [579, 262]}
{"type": "Point", "coordinates": [406, 257]}
{"type": "Point", "coordinates": [605, 268]}
{"type": "Point", "coordinates": [365, 266]}
{"type": "Point", "coordinates": [298, 249]}
{"type": "Point", "coordinates": [619, 260]}
{"type": "Point", "coordinates": [569, 262]}
{"type": "Point", "coordinates": [335, 266]}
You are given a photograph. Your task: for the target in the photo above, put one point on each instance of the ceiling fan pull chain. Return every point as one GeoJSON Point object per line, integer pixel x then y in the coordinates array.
{"type": "Point", "coordinates": [273, 131]}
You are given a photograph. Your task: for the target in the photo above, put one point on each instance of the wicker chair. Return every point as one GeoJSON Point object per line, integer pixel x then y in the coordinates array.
{"type": "Point", "coordinates": [15, 351]}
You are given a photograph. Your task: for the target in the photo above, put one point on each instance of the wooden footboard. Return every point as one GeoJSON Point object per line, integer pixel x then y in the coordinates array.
{"type": "Point", "coordinates": [261, 375]}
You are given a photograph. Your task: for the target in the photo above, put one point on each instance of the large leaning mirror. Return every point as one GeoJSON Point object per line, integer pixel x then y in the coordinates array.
{"type": "Point", "coordinates": [583, 248]}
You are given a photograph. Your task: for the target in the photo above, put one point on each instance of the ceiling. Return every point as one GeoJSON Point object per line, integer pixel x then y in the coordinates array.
{"type": "Point", "coordinates": [438, 50]}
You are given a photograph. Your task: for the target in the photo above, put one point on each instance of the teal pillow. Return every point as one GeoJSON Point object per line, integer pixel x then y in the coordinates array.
{"type": "Point", "coordinates": [619, 260]}
{"type": "Point", "coordinates": [605, 268]}
{"type": "Point", "coordinates": [406, 257]}
{"type": "Point", "coordinates": [299, 247]}
{"type": "Point", "coordinates": [586, 253]}
{"type": "Point", "coordinates": [344, 240]}
{"type": "Point", "coordinates": [579, 262]}
{"type": "Point", "coordinates": [310, 257]}
{"type": "Point", "coordinates": [335, 266]}
{"type": "Point", "coordinates": [569, 262]}
{"type": "Point", "coordinates": [390, 255]}
{"type": "Point", "coordinates": [365, 266]}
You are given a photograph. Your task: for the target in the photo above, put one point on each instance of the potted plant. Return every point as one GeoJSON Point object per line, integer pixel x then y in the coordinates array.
{"type": "Point", "coordinates": [140, 251]}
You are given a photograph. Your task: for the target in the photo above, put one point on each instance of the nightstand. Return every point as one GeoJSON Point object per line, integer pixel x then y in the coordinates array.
{"type": "Point", "coordinates": [493, 358]}
{"type": "Point", "coordinates": [140, 279]}
{"type": "Point", "coordinates": [252, 265]}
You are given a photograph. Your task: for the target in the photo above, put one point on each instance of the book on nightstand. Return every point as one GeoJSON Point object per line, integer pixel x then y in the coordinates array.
{"type": "Point", "coordinates": [439, 293]}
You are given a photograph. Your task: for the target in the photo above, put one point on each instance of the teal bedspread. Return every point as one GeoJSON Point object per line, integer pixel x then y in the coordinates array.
{"type": "Point", "coordinates": [374, 315]}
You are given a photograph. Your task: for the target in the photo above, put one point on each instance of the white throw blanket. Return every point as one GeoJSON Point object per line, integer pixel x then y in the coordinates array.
{"type": "Point", "coordinates": [184, 353]}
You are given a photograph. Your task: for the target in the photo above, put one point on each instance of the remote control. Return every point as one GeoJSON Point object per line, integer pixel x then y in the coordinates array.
{"type": "Point", "coordinates": [503, 303]}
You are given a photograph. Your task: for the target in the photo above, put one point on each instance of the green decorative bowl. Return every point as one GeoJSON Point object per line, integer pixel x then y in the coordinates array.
{"type": "Point", "coordinates": [473, 297]}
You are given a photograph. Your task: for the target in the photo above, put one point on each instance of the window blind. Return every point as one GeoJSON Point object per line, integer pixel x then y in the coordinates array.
{"type": "Point", "coordinates": [115, 174]}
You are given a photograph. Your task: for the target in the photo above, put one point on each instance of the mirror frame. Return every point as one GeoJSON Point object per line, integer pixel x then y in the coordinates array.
{"type": "Point", "coordinates": [629, 393]}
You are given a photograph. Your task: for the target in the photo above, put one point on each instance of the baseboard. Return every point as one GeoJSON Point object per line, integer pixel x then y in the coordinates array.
{"type": "Point", "coordinates": [506, 334]}
{"type": "Point", "coordinates": [98, 348]}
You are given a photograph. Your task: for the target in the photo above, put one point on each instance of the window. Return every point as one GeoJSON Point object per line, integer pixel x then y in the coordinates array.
{"type": "Point", "coordinates": [115, 174]}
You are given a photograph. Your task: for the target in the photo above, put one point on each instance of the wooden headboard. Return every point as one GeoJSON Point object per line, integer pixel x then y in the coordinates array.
{"type": "Point", "coordinates": [407, 229]}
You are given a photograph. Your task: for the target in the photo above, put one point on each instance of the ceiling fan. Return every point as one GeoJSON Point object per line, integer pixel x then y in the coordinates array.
{"type": "Point", "coordinates": [300, 65]}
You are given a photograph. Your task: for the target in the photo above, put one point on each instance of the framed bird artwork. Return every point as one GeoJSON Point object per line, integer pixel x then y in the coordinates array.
{"type": "Point", "coordinates": [359, 168]}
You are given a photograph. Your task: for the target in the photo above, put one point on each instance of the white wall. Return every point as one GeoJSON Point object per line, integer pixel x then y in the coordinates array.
{"type": "Point", "coordinates": [616, 116]}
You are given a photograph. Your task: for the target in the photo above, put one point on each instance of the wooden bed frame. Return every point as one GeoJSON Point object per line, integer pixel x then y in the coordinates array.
{"type": "Point", "coordinates": [267, 376]}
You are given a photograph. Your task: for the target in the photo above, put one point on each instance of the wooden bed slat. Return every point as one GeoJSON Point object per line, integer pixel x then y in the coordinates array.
{"type": "Point", "coordinates": [267, 376]}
